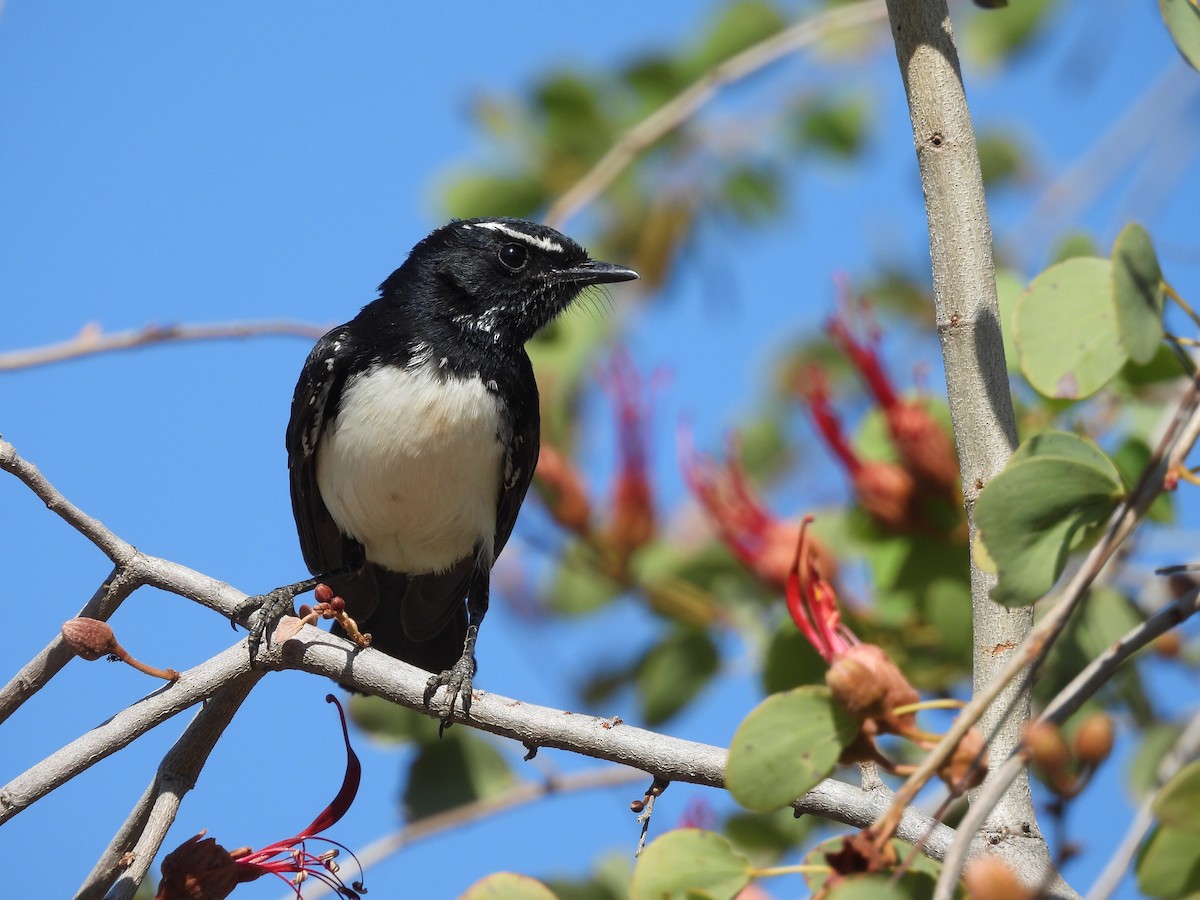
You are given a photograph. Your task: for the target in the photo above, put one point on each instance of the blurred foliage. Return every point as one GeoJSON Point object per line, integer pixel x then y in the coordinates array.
{"type": "Point", "coordinates": [1090, 374]}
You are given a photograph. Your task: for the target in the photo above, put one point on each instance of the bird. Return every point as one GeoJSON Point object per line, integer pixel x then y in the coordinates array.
{"type": "Point", "coordinates": [414, 434]}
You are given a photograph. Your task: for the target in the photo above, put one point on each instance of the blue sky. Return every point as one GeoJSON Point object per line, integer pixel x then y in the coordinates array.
{"type": "Point", "coordinates": [164, 163]}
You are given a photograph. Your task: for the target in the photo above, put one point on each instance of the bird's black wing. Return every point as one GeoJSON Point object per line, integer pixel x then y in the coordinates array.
{"type": "Point", "coordinates": [520, 459]}
{"type": "Point", "coordinates": [315, 402]}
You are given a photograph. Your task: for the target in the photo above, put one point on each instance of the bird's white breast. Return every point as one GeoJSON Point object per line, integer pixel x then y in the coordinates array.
{"type": "Point", "coordinates": [411, 466]}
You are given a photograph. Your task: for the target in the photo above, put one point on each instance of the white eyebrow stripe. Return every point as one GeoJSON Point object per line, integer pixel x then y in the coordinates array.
{"type": "Point", "coordinates": [539, 242]}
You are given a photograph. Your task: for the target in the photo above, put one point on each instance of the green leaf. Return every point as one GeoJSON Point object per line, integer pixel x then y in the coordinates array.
{"type": "Point", "coordinates": [1001, 158]}
{"type": "Point", "coordinates": [1066, 445]}
{"type": "Point", "coordinates": [753, 193]}
{"type": "Point", "coordinates": [579, 587]}
{"type": "Point", "coordinates": [1066, 329]}
{"type": "Point", "coordinates": [1168, 865]}
{"type": "Point", "coordinates": [1131, 459]}
{"type": "Point", "coordinates": [1009, 287]}
{"type": "Point", "coordinates": [1072, 244]}
{"type": "Point", "coordinates": [1183, 22]}
{"type": "Point", "coordinates": [387, 722]}
{"type": "Point", "coordinates": [1055, 485]}
{"type": "Point", "coordinates": [459, 769]}
{"type": "Point", "coordinates": [992, 36]}
{"type": "Point", "coordinates": [791, 661]}
{"type": "Point", "coordinates": [834, 127]}
{"type": "Point", "coordinates": [737, 26]}
{"type": "Point", "coordinates": [1177, 805]}
{"type": "Point", "coordinates": [868, 887]}
{"type": "Point", "coordinates": [687, 863]}
{"type": "Point", "coordinates": [787, 744]}
{"type": "Point", "coordinates": [493, 195]}
{"type": "Point", "coordinates": [1138, 293]}
{"type": "Point", "coordinates": [508, 886]}
{"type": "Point", "coordinates": [674, 671]}
{"type": "Point", "coordinates": [1142, 771]}
{"type": "Point", "coordinates": [767, 836]}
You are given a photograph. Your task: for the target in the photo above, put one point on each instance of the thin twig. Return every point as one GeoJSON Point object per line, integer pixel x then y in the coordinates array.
{"type": "Point", "coordinates": [1094, 676]}
{"type": "Point", "coordinates": [91, 340]}
{"type": "Point", "coordinates": [134, 846]}
{"type": "Point", "coordinates": [1181, 753]}
{"type": "Point", "coordinates": [194, 685]}
{"type": "Point", "coordinates": [688, 102]}
{"type": "Point", "coordinates": [519, 795]}
{"type": "Point", "coordinates": [110, 545]}
{"type": "Point", "coordinates": [1042, 635]}
{"type": "Point", "coordinates": [35, 674]}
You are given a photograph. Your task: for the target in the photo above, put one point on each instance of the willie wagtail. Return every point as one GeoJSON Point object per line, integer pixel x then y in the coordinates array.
{"type": "Point", "coordinates": [414, 434]}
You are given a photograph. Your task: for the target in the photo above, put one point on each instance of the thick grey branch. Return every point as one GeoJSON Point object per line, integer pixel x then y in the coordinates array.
{"type": "Point", "coordinates": [659, 755]}
{"type": "Point", "coordinates": [968, 320]}
{"type": "Point", "coordinates": [1083, 686]}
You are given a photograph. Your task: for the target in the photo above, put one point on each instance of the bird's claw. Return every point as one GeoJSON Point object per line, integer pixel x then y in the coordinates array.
{"type": "Point", "coordinates": [457, 681]}
{"type": "Point", "coordinates": [268, 609]}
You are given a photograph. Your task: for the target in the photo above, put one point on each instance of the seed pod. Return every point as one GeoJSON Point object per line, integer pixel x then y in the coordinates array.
{"type": "Point", "coordinates": [1047, 747]}
{"type": "Point", "coordinates": [1094, 739]}
{"type": "Point", "coordinates": [88, 638]}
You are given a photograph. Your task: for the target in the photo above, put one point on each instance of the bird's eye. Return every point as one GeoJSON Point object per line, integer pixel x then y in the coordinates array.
{"type": "Point", "coordinates": [513, 257]}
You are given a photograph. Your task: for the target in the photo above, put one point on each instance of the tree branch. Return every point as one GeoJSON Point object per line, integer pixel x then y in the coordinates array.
{"type": "Point", "coordinates": [39, 670]}
{"type": "Point", "coordinates": [194, 685]}
{"type": "Point", "coordinates": [119, 551]}
{"type": "Point", "coordinates": [91, 340]}
{"type": "Point", "coordinates": [137, 842]}
{"type": "Point", "coordinates": [1183, 751]}
{"type": "Point", "coordinates": [519, 795]}
{"type": "Point", "coordinates": [1069, 699]}
{"type": "Point", "coordinates": [968, 322]}
{"type": "Point", "coordinates": [688, 102]}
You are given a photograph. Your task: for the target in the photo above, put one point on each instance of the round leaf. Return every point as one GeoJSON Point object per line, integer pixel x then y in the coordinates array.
{"type": "Point", "coordinates": [457, 770]}
{"type": "Point", "coordinates": [508, 886]}
{"type": "Point", "coordinates": [1029, 514]}
{"type": "Point", "coordinates": [385, 721]}
{"type": "Point", "coordinates": [787, 744]}
{"type": "Point", "coordinates": [674, 671]}
{"type": "Point", "coordinates": [687, 861]}
{"type": "Point", "coordinates": [1178, 803]}
{"type": "Point", "coordinates": [1138, 293]}
{"type": "Point", "coordinates": [1066, 329]}
{"type": "Point", "coordinates": [1168, 865]}
{"type": "Point", "coordinates": [1065, 445]}
{"type": "Point", "coordinates": [1183, 21]}
{"type": "Point", "coordinates": [864, 887]}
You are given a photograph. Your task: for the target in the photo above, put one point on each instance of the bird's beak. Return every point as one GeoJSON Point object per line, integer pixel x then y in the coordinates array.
{"type": "Point", "coordinates": [592, 271]}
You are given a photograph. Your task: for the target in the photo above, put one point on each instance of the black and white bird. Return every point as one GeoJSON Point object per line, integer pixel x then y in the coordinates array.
{"type": "Point", "coordinates": [414, 434]}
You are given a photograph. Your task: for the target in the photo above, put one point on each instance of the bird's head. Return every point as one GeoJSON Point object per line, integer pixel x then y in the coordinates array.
{"type": "Point", "coordinates": [500, 279]}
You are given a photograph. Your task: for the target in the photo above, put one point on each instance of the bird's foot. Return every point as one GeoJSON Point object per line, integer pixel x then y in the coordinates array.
{"type": "Point", "coordinates": [268, 609]}
{"type": "Point", "coordinates": [457, 681]}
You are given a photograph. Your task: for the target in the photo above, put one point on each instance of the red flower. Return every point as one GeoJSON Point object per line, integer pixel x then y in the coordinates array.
{"type": "Point", "coordinates": [562, 490]}
{"type": "Point", "coordinates": [862, 676]}
{"type": "Point", "coordinates": [885, 490]}
{"type": "Point", "coordinates": [922, 444]}
{"type": "Point", "coordinates": [201, 869]}
{"type": "Point", "coordinates": [762, 542]}
{"type": "Point", "coordinates": [633, 519]}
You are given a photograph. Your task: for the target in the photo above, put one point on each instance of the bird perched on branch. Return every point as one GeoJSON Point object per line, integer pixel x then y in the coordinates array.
{"type": "Point", "coordinates": [414, 435]}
